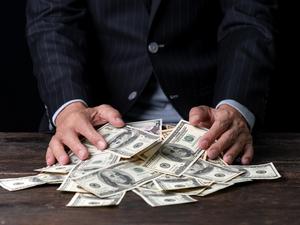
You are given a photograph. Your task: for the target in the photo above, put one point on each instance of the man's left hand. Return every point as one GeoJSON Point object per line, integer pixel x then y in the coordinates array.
{"type": "Point", "coordinates": [228, 133]}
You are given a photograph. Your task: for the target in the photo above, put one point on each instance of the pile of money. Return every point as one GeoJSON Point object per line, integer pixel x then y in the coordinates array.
{"type": "Point", "coordinates": [161, 164]}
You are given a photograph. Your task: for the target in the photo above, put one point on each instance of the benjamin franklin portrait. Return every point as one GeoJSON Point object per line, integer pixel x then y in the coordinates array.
{"type": "Point", "coordinates": [115, 178]}
{"type": "Point", "coordinates": [200, 168]}
{"type": "Point", "coordinates": [123, 139]}
{"type": "Point", "coordinates": [175, 152]}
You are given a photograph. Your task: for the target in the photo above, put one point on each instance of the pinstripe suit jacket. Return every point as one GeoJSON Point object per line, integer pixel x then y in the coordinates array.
{"type": "Point", "coordinates": [97, 50]}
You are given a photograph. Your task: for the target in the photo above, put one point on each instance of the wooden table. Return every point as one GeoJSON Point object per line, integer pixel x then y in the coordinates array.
{"type": "Point", "coordinates": [260, 202]}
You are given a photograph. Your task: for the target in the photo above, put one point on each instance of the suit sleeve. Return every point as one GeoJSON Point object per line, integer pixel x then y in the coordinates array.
{"type": "Point", "coordinates": [246, 53]}
{"type": "Point", "coordinates": [57, 42]}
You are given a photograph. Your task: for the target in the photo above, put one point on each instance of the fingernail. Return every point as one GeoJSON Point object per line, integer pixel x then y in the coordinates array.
{"type": "Point", "coordinates": [212, 154]}
{"type": "Point", "coordinates": [228, 158]}
{"type": "Point", "coordinates": [62, 159]}
{"type": "Point", "coordinates": [203, 144]}
{"type": "Point", "coordinates": [101, 145]}
{"type": "Point", "coordinates": [48, 162]}
{"type": "Point", "coordinates": [246, 161]}
{"type": "Point", "coordinates": [82, 154]}
{"type": "Point", "coordinates": [194, 118]}
{"type": "Point", "coordinates": [118, 119]}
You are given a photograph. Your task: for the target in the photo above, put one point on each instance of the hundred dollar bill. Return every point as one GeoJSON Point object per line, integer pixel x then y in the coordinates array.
{"type": "Point", "coordinates": [89, 200]}
{"type": "Point", "coordinates": [150, 186]}
{"type": "Point", "coordinates": [144, 155]}
{"type": "Point", "coordinates": [191, 192]}
{"type": "Point", "coordinates": [51, 178]}
{"type": "Point", "coordinates": [214, 188]}
{"type": "Point", "coordinates": [151, 126]}
{"type": "Point", "coordinates": [20, 183]}
{"type": "Point", "coordinates": [159, 198]}
{"type": "Point", "coordinates": [100, 160]}
{"type": "Point", "coordinates": [57, 168]}
{"type": "Point", "coordinates": [127, 141]}
{"type": "Point", "coordinates": [258, 172]}
{"type": "Point", "coordinates": [117, 178]}
{"type": "Point", "coordinates": [179, 151]}
{"type": "Point", "coordinates": [171, 183]}
{"type": "Point", "coordinates": [168, 126]}
{"type": "Point", "coordinates": [97, 161]}
{"type": "Point", "coordinates": [166, 133]}
{"type": "Point", "coordinates": [212, 172]}
{"type": "Point", "coordinates": [218, 161]}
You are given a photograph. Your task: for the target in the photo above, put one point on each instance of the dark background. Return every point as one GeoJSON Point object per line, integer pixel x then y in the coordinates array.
{"type": "Point", "coordinates": [21, 108]}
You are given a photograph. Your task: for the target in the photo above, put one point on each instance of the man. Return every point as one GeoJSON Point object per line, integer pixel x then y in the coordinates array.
{"type": "Point", "coordinates": [205, 61]}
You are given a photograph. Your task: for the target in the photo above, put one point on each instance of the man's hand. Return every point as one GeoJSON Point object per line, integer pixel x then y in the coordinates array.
{"type": "Point", "coordinates": [78, 120]}
{"type": "Point", "coordinates": [228, 127]}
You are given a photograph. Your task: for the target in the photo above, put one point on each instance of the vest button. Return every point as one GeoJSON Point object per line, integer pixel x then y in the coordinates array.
{"type": "Point", "coordinates": [153, 47]}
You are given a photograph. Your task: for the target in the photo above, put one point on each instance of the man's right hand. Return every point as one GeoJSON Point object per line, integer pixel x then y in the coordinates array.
{"type": "Point", "coordinates": [78, 120]}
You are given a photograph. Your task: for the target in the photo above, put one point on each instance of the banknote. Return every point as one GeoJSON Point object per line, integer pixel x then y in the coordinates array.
{"type": "Point", "coordinates": [101, 159]}
{"type": "Point", "coordinates": [89, 200]}
{"type": "Point", "coordinates": [168, 126]}
{"type": "Point", "coordinates": [166, 133]}
{"type": "Point", "coordinates": [68, 185]}
{"type": "Point", "coordinates": [214, 188]}
{"type": "Point", "coordinates": [171, 183]}
{"type": "Point", "coordinates": [155, 198]}
{"type": "Point", "coordinates": [127, 141]}
{"type": "Point", "coordinates": [95, 162]}
{"type": "Point", "coordinates": [179, 151]}
{"type": "Point", "coordinates": [209, 171]}
{"type": "Point", "coordinates": [20, 183]}
{"type": "Point", "coordinates": [57, 168]}
{"type": "Point", "coordinates": [218, 161]}
{"type": "Point", "coordinates": [150, 186]}
{"type": "Point", "coordinates": [117, 178]}
{"type": "Point", "coordinates": [151, 126]}
{"type": "Point", "coordinates": [258, 172]}
{"type": "Point", "coordinates": [144, 155]}
{"type": "Point", "coordinates": [52, 178]}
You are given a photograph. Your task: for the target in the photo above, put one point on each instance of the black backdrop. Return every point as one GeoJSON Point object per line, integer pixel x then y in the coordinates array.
{"type": "Point", "coordinates": [21, 108]}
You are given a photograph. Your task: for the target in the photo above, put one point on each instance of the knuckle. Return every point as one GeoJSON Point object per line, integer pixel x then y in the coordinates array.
{"type": "Point", "coordinates": [54, 140]}
{"type": "Point", "coordinates": [216, 148]}
{"type": "Point", "coordinates": [208, 137]}
{"type": "Point", "coordinates": [232, 135]}
{"type": "Point", "coordinates": [104, 107]}
{"type": "Point", "coordinates": [242, 125]}
{"type": "Point", "coordinates": [75, 148]}
{"type": "Point", "coordinates": [223, 124]}
{"type": "Point", "coordinates": [194, 109]}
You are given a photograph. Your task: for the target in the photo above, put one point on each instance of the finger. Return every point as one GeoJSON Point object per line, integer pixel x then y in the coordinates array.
{"type": "Point", "coordinates": [72, 141]}
{"type": "Point", "coordinates": [200, 114]}
{"type": "Point", "coordinates": [233, 152]}
{"type": "Point", "coordinates": [111, 115]}
{"type": "Point", "coordinates": [50, 159]}
{"type": "Point", "coordinates": [58, 151]}
{"type": "Point", "coordinates": [226, 140]}
{"type": "Point", "coordinates": [248, 154]}
{"type": "Point", "coordinates": [217, 129]}
{"type": "Point", "coordinates": [88, 131]}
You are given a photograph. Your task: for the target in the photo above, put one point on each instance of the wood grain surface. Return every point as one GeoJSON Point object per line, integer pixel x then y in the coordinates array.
{"type": "Point", "coordinates": [259, 202]}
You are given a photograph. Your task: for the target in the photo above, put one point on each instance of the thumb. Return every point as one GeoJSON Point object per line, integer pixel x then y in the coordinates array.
{"type": "Point", "coordinates": [201, 116]}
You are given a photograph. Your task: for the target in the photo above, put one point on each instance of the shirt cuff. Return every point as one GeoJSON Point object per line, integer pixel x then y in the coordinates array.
{"type": "Point", "coordinates": [64, 106]}
{"type": "Point", "coordinates": [246, 113]}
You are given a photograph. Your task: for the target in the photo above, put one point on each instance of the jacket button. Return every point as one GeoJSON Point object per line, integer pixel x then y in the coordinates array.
{"type": "Point", "coordinates": [132, 95]}
{"type": "Point", "coordinates": [174, 96]}
{"type": "Point", "coordinates": [153, 47]}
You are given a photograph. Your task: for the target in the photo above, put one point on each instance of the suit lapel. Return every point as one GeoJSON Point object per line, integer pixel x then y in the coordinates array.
{"type": "Point", "coordinates": [154, 7]}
